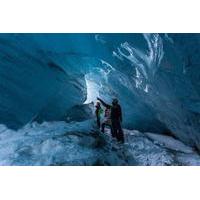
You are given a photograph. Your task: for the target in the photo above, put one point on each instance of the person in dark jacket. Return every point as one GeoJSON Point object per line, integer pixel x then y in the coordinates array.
{"type": "Point", "coordinates": [98, 113]}
{"type": "Point", "coordinates": [116, 119]}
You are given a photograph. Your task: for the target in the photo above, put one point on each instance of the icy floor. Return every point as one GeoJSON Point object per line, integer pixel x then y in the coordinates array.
{"type": "Point", "coordinates": [60, 143]}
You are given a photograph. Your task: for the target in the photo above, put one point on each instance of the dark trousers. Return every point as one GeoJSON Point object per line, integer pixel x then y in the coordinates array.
{"type": "Point", "coordinates": [103, 128]}
{"type": "Point", "coordinates": [98, 122]}
{"type": "Point", "coordinates": [117, 130]}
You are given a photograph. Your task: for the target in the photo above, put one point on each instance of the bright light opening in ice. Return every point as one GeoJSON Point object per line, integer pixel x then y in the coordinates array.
{"type": "Point", "coordinates": [92, 91]}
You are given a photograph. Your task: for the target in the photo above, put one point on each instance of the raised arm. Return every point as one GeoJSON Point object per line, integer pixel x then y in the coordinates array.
{"type": "Point", "coordinates": [104, 104]}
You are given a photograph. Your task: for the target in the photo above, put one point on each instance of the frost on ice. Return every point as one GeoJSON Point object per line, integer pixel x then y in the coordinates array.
{"type": "Point", "coordinates": [48, 81]}
{"type": "Point", "coordinates": [77, 143]}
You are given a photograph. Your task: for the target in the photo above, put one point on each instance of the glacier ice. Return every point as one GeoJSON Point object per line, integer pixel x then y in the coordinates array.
{"type": "Point", "coordinates": [77, 143]}
{"type": "Point", "coordinates": [55, 77]}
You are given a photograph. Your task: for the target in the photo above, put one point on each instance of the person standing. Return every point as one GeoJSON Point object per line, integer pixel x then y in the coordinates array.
{"type": "Point", "coordinates": [98, 113]}
{"type": "Point", "coordinates": [116, 119]}
{"type": "Point", "coordinates": [107, 120]}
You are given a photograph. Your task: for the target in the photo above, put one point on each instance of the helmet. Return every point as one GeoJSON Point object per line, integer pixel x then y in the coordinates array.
{"type": "Point", "coordinates": [115, 101]}
{"type": "Point", "coordinates": [98, 103]}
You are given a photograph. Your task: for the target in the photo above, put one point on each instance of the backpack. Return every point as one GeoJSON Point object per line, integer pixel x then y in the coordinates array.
{"type": "Point", "coordinates": [100, 111]}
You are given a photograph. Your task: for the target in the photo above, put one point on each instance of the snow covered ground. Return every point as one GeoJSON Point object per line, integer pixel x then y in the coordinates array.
{"type": "Point", "coordinates": [78, 143]}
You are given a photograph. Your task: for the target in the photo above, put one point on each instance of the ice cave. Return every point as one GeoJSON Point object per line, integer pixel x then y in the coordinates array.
{"type": "Point", "coordinates": [49, 84]}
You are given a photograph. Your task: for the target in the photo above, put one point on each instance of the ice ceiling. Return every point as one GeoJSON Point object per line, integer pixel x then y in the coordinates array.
{"type": "Point", "coordinates": [154, 76]}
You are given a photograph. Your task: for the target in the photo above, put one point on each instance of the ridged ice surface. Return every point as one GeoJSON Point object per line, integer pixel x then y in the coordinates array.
{"type": "Point", "coordinates": [154, 76]}
{"type": "Point", "coordinates": [61, 143]}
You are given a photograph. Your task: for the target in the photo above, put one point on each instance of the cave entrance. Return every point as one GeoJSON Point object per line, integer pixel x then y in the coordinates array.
{"type": "Point", "coordinates": [92, 89]}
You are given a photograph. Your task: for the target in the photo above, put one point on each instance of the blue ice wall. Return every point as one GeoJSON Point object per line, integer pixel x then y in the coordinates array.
{"type": "Point", "coordinates": [155, 77]}
{"type": "Point", "coordinates": [32, 86]}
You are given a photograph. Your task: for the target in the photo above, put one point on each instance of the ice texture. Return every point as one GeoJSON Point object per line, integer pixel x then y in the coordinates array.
{"type": "Point", "coordinates": [79, 143]}
{"type": "Point", "coordinates": [43, 77]}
